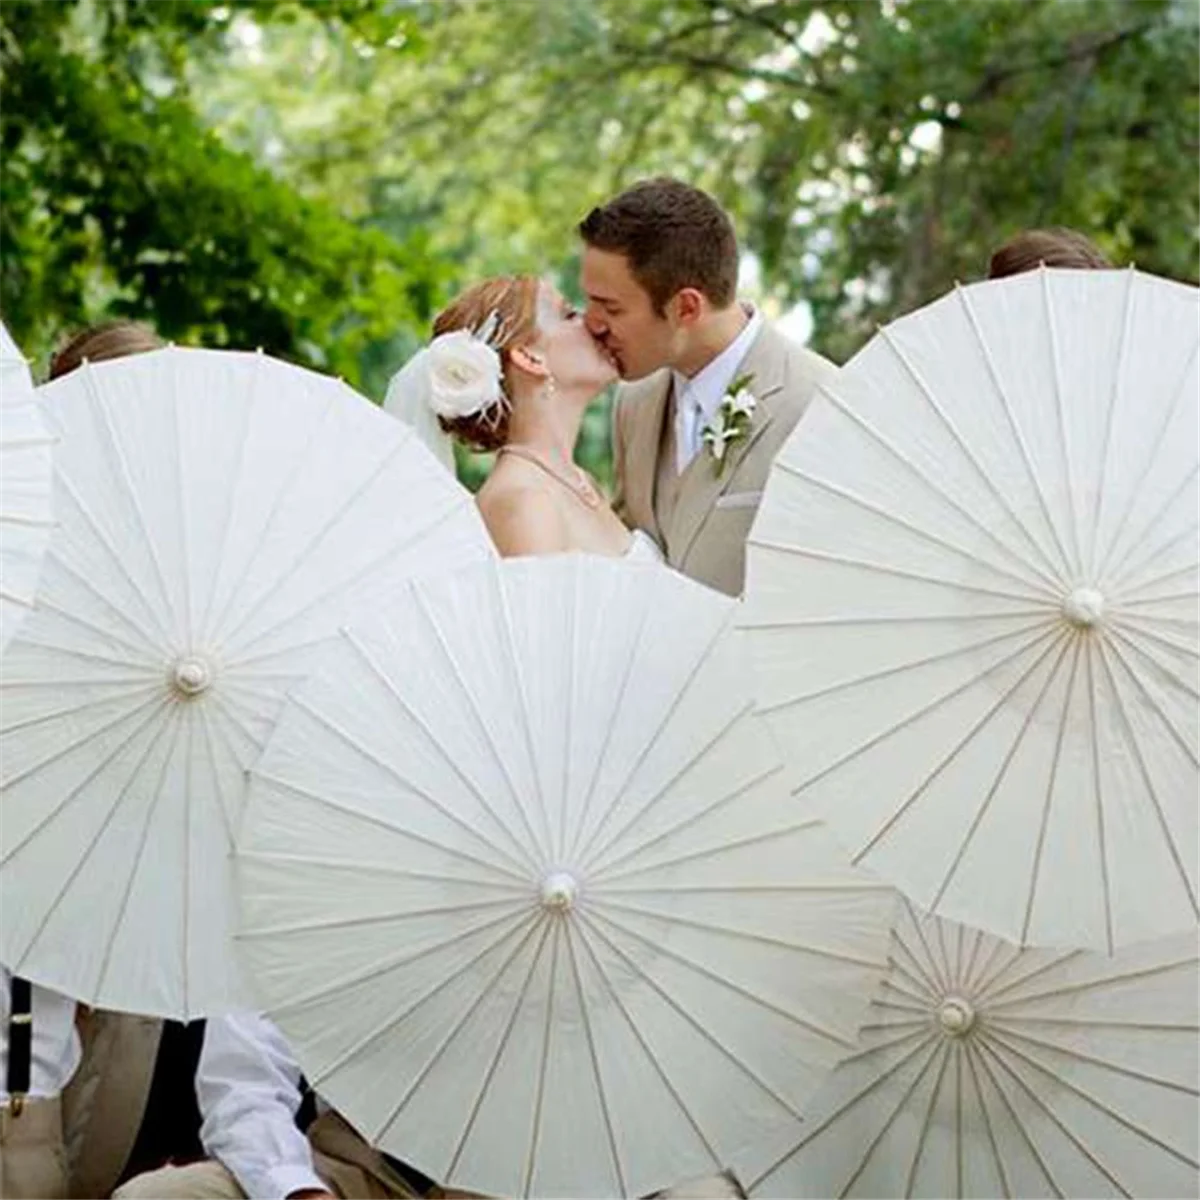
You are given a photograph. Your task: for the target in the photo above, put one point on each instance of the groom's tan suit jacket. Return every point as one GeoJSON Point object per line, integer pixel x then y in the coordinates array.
{"type": "Point", "coordinates": [701, 518]}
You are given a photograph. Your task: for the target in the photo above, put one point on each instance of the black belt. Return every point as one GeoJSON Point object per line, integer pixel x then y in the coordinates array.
{"type": "Point", "coordinates": [20, 1044]}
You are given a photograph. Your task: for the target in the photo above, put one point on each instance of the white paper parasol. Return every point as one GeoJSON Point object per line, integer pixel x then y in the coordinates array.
{"type": "Point", "coordinates": [220, 515]}
{"type": "Point", "coordinates": [520, 886]}
{"type": "Point", "coordinates": [25, 488]}
{"type": "Point", "coordinates": [972, 606]}
{"type": "Point", "coordinates": [986, 1070]}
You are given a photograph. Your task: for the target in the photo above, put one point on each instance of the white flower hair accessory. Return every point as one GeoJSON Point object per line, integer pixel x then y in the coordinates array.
{"type": "Point", "coordinates": [465, 370]}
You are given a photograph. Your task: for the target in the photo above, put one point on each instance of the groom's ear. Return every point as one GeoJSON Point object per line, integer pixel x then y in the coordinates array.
{"type": "Point", "coordinates": [689, 304]}
{"type": "Point", "coordinates": [527, 359]}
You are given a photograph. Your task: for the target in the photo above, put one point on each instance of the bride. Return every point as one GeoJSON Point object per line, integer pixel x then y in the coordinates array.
{"type": "Point", "coordinates": [511, 368]}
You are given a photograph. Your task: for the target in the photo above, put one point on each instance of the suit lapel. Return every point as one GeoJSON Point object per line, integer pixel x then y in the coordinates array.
{"type": "Point", "coordinates": [647, 414]}
{"type": "Point", "coordinates": [701, 484]}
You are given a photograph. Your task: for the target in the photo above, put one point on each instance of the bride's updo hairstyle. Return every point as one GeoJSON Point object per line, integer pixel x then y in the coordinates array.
{"type": "Point", "coordinates": [512, 299]}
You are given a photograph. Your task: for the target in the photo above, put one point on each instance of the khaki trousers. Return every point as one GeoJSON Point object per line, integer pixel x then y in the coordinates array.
{"type": "Point", "coordinates": [105, 1101]}
{"type": "Point", "coordinates": [33, 1160]}
{"type": "Point", "coordinates": [350, 1168]}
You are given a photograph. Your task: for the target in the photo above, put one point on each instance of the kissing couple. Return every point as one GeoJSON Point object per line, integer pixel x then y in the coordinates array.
{"type": "Point", "coordinates": [710, 391]}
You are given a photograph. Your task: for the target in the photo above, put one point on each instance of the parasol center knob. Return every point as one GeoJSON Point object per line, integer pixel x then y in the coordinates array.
{"type": "Point", "coordinates": [1083, 607]}
{"type": "Point", "coordinates": [191, 675]}
{"type": "Point", "coordinates": [956, 1016]}
{"type": "Point", "coordinates": [559, 890]}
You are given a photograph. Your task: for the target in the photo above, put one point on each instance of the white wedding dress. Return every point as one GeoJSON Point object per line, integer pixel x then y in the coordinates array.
{"type": "Point", "coordinates": [643, 548]}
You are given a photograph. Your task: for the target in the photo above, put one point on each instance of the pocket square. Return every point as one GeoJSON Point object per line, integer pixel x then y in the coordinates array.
{"type": "Point", "coordinates": [739, 500]}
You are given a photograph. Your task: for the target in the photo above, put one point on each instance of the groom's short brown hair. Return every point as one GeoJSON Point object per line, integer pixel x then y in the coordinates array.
{"type": "Point", "coordinates": [673, 236]}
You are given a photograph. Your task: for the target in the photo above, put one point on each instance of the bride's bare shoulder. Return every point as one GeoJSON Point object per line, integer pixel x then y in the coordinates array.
{"type": "Point", "coordinates": [522, 518]}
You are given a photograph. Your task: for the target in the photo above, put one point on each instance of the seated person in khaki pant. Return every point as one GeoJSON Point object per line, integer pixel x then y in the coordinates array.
{"type": "Point", "coordinates": [249, 1090]}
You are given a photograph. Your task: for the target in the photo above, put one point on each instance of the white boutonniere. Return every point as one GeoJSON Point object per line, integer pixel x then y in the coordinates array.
{"type": "Point", "coordinates": [732, 421]}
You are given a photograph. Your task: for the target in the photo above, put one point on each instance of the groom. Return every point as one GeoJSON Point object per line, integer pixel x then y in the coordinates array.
{"type": "Point", "coordinates": [660, 267]}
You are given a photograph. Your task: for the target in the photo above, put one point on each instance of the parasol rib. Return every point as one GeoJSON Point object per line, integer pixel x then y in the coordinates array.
{"type": "Point", "coordinates": [356, 644]}
{"type": "Point", "coordinates": [599, 870]}
{"type": "Point", "coordinates": [523, 708]}
{"type": "Point", "coordinates": [1106, 446]}
{"type": "Point", "coordinates": [1180, 393]}
{"type": "Point", "coordinates": [536, 1129]}
{"type": "Point", "coordinates": [758, 1001]}
{"type": "Point", "coordinates": [143, 647]}
{"type": "Point", "coordinates": [1147, 782]}
{"type": "Point", "coordinates": [592, 864]}
{"type": "Point", "coordinates": [485, 992]}
{"type": "Point", "coordinates": [296, 473]}
{"type": "Point", "coordinates": [647, 1050]}
{"type": "Point", "coordinates": [813, 1129]}
{"type": "Point", "coordinates": [149, 613]}
{"type": "Point", "coordinates": [345, 586]}
{"type": "Point", "coordinates": [1051, 781]}
{"type": "Point", "coordinates": [620, 696]}
{"type": "Point", "coordinates": [610, 1132]}
{"type": "Point", "coordinates": [1004, 699]}
{"type": "Point", "coordinates": [1050, 577]}
{"type": "Point", "coordinates": [329, 802]}
{"type": "Point", "coordinates": [1026, 1136]}
{"type": "Point", "coordinates": [966, 651]}
{"type": "Point", "coordinates": [687, 1016]}
{"type": "Point", "coordinates": [229, 494]}
{"type": "Point", "coordinates": [927, 1117]}
{"type": "Point", "coordinates": [87, 372]}
{"type": "Point", "coordinates": [655, 732]}
{"type": "Point", "coordinates": [515, 868]}
{"type": "Point", "coordinates": [712, 927]}
{"type": "Point", "coordinates": [1018, 436]}
{"type": "Point", "coordinates": [1038, 588]}
{"type": "Point", "coordinates": [1149, 700]}
{"type": "Point", "coordinates": [501, 1046]}
{"type": "Point", "coordinates": [1056, 376]}
{"type": "Point", "coordinates": [888, 339]}
{"type": "Point", "coordinates": [460, 677]}
{"type": "Point", "coordinates": [866, 564]}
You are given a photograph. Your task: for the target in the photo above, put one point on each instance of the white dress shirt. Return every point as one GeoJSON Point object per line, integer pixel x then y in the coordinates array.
{"type": "Point", "coordinates": [698, 398]}
{"type": "Point", "coordinates": [56, 1046]}
{"type": "Point", "coordinates": [248, 1090]}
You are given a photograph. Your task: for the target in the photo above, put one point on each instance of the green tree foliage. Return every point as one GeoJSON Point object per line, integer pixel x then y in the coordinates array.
{"type": "Point", "coordinates": [117, 199]}
{"type": "Point", "coordinates": [316, 176]}
{"type": "Point", "coordinates": [873, 152]}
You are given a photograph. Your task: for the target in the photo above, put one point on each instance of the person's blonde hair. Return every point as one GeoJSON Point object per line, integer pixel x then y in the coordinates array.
{"type": "Point", "coordinates": [514, 300]}
{"type": "Point", "coordinates": [112, 339]}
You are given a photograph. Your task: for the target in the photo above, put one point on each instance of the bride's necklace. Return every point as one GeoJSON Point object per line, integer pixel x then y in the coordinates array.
{"type": "Point", "coordinates": [581, 486]}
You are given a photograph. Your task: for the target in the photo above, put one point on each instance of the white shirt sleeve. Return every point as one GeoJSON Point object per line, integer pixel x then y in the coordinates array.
{"type": "Point", "coordinates": [248, 1089]}
{"type": "Point", "coordinates": [56, 1046]}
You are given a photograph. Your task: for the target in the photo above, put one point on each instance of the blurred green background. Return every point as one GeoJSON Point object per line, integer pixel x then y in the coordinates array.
{"type": "Point", "coordinates": [317, 177]}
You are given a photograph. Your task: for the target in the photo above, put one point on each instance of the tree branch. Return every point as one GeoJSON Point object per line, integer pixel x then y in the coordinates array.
{"type": "Point", "coordinates": [707, 63]}
{"type": "Point", "coordinates": [994, 77]}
